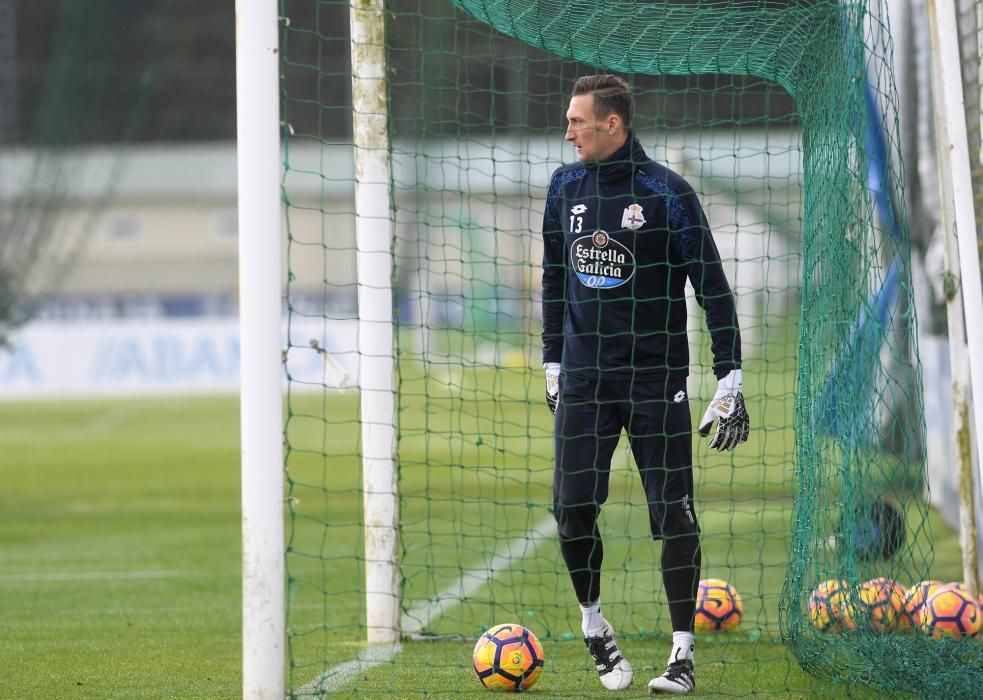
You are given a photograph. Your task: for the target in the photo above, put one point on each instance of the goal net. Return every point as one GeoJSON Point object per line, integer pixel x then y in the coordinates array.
{"type": "Point", "coordinates": [782, 115]}
{"type": "Point", "coordinates": [57, 98]}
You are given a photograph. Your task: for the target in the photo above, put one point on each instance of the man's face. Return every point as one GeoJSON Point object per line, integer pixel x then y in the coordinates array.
{"type": "Point", "coordinates": [593, 138]}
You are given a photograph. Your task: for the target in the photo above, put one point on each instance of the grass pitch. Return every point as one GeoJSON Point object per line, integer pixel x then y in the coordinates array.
{"type": "Point", "coordinates": [120, 550]}
{"type": "Point", "coordinates": [119, 534]}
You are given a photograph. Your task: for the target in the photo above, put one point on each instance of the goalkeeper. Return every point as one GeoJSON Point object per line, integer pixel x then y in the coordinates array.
{"type": "Point", "coordinates": [622, 234]}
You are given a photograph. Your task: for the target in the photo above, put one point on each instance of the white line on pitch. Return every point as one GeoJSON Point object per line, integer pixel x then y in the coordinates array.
{"type": "Point", "coordinates": [98, 575]}
{"type": "Point", "coordinates": [420, 616]}
{"type": "Point", "coordinates": [423, 614]}
{"type": "Point", "coordinates": [342, 674]}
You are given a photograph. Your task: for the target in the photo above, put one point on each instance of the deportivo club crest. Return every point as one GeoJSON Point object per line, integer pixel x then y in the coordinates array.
{"type": "Point", "coordinates": [632, 217]}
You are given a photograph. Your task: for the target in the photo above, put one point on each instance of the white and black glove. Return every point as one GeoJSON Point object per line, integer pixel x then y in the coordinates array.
{"type": "Point", "coordinates": [727, 408]}
{"type": "Point", "coordinates": [552, 385]}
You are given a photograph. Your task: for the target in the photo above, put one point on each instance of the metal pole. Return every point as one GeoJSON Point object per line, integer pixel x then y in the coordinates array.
{"type": "Point", "coordinates": [261, 369]}
{"type": "Point", "coordinates": [959, 231]}
{"type": "Point", "coordinates": [374, 239]}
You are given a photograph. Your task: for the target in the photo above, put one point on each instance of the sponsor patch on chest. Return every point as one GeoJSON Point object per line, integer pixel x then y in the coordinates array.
{"type": "Point", "coordinates": [600, 262]}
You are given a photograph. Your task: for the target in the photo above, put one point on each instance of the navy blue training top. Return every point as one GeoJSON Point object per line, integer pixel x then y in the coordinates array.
{"type": "Point", "coordinates": [621, 236]}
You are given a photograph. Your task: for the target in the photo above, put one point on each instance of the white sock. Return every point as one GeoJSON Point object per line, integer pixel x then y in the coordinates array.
{"type": "Point", "coordinates": [594, 623]}
{"type": "Point", "coordinates": [682, 646]}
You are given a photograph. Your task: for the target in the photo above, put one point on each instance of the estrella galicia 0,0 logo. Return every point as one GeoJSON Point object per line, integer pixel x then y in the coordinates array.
{"type": "Point", "coordinates": [600, 261]}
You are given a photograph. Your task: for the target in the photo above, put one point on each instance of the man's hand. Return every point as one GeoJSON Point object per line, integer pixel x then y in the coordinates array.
{"type": "Point", "coordinates": [734, 424]}
{"type": "Point", "coordinates": [552, 385]}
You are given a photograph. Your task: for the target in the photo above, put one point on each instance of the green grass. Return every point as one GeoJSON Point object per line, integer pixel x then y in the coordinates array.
{"type": "Point", "coordinates": [119, 549]}
{"type": "Point", "coordinates": [120, 545]}
{"type": "Point", "coordinates": [734, 667]}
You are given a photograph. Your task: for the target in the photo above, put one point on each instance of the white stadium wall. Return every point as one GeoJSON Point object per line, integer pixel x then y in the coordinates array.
{"type": "Point", "coordinates": [473, 216]}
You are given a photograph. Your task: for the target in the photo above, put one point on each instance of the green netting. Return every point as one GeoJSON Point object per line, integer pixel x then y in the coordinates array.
{"type": "Point", "coordinates": [86, 94]}
{"type": "Point", "coordinates": [782, 116]}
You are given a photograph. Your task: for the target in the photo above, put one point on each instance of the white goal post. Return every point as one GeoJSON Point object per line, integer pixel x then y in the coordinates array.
{"type": "Point", "coordinates": [376, 342]}
{"type": "Point", "coordinates": [261, 348]}
{"type": "Point", "coordinates": [260, 312]}
{"type": "Point", "coordinates": [959, 231]}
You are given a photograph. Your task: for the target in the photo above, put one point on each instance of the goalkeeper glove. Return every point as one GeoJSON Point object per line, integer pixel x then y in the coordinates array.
{"type": "Point", "coordinates": [727, 408]}
{"type": "Point", "coordinates": [552, 385]}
